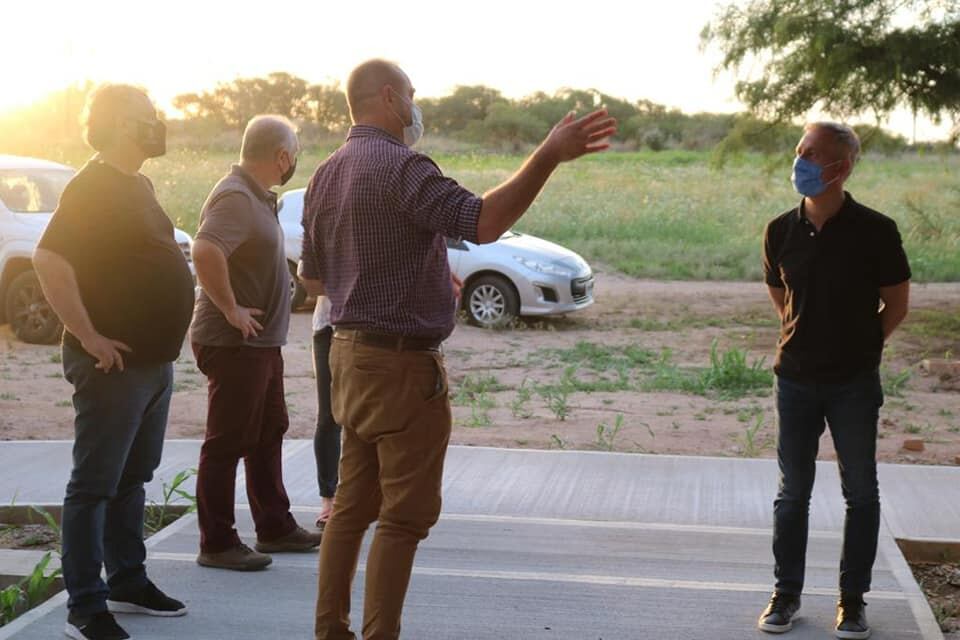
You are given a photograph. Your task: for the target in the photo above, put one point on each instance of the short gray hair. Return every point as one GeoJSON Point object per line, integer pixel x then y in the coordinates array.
{"type": "Point", "coordinates": [105, 105]}
{"type": "Point", "coordinates": [843, 135]}
{"type": "Point", "coordinates": [265, 135]}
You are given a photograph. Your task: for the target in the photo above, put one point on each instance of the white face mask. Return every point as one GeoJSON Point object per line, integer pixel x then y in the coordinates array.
{"type": "Point", "coordinates": [414, 131]}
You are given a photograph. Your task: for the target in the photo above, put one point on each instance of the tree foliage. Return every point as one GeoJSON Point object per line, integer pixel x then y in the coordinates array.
{"type": "Point", "coordinates": [848, 57]}
{"type": "Point", "coordinates": [233, 103]}
{"type": "Point", "coordinates": [476, 115]}
{"type": "Point", "coordinates": [456, 111]}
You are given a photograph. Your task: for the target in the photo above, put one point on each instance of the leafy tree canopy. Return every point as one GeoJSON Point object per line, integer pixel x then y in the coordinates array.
{"type": "Point", "coordinates": [847, 57]}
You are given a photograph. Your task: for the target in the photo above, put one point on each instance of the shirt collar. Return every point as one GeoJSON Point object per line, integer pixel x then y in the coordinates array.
{"type": "Point", "coordinates": [370, 131]}
{"type": "Point", "coordinates": [264, 194]}
{"type": "Point", "coordinates": [845, 208]}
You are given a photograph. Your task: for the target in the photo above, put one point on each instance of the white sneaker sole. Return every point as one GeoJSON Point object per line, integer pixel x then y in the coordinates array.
{"type": "Point", "coordinates": [72, 632]}
{"type": "Point", "coordinates": [772, 628]}
{"type": "Point", "coordinates": [114, 606]}
{"type": "Point", "coordinates": [853, 635]}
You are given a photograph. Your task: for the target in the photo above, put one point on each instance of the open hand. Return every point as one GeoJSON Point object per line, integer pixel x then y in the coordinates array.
{"type": "Point", "coordinates": [242, 318]}
{"type": "Point", "coordinates": [573, 137]}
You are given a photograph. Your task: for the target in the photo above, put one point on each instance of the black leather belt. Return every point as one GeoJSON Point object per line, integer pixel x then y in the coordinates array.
{"type": "Point", "coordinates": [387, 341]}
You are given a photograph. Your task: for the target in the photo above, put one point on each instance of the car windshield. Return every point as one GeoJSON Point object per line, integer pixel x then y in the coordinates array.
{"type": "Point", "coordinates": [32, 190]}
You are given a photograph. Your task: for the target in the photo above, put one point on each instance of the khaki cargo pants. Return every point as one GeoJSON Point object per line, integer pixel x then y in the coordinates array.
{"type": "Point", "coordinates": [396, 420]}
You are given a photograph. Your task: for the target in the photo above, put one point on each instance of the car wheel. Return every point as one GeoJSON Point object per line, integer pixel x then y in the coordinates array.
{"type": "Point", "coordinates": [491, 301]}
{"type": "Point", "coordinates": [29, 313]}
{"type": "Point", "coordinates": [298, 295]}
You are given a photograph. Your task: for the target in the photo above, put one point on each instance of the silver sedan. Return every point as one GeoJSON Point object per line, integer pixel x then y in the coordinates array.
{"type": "Point", "coordinates": [518, 275]}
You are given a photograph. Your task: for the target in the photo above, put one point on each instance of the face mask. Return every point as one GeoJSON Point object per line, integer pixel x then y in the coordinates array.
{"type": "Point", "coordinates": [285, 178]}
{"type": "Point", "coordinates": [151, 137]}
{"type": "Point", "coordinates": [414, 131]}
{"type": "Point", "coordinates": [807, 177]}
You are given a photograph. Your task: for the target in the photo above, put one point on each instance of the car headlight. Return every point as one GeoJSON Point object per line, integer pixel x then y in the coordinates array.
{"type": "Point", "coordinates": [547, 268]}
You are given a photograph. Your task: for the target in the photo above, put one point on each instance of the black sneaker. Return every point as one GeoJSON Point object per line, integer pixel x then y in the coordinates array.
{"type": "Point", "coordinates": [148, 601]}
{"type": "Point", "coordinates": [779, 615]}
{"type": "Point", "coordinates": [852, 618]}
{"type": "Point", "coordinates": [99, 626]}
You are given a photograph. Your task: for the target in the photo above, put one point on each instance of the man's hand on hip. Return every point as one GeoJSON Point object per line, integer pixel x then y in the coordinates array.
{"type": "Point", "coordinates": [105, 351]}
{"type": "Point", "coordinates": [242, 318]}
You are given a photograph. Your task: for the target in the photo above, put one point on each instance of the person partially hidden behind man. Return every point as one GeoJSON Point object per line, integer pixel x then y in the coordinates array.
{"type": "Point", "coordinates": [112, 270]}
{"type": "Point", "coordinates": [839, 279]}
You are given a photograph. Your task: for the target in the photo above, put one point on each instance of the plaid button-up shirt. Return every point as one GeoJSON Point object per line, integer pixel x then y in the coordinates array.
{"type": "Point", "coordinates": [375, 217]}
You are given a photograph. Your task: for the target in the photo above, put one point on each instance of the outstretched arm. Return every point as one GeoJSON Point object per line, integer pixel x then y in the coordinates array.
{"type": "Point", "coordinates": [570, 139]}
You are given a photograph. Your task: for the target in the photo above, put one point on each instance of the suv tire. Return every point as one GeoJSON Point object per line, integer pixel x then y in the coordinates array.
{"type": "Point", "coordinates": [28, 312]}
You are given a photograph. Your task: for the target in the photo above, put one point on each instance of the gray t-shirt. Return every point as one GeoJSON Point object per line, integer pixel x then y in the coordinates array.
{"type": "Point", "coordinates": [240, 217]}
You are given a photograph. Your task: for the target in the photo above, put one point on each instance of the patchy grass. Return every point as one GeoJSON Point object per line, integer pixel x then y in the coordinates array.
{"type": "Point", "coordinates": [664, 215]}
{"type": "Point", "coordinates": [473, 386]}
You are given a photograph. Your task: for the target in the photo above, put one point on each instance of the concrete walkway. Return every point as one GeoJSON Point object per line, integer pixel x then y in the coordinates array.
{"type": "Point", "coordinates": [546, 544]}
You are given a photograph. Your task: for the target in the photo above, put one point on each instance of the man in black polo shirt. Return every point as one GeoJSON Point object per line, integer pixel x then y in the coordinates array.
{"type": "Point", "coordinates": [111, 269]}
{"type": "Point", "coordinates": [839, 279]}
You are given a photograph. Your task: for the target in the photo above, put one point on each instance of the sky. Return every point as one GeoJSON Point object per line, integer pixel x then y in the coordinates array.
{"type": "Point", "coordinates": [641, 49]}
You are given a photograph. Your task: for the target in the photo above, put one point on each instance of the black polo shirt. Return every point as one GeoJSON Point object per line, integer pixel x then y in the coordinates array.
{"type": "Point", "coordinates": [133, 277]}
{"type": "Point", "coordinates": [831, 325]}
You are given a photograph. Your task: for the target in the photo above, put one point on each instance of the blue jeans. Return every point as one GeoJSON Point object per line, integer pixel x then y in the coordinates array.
{"type": "Point", "coordinates": [121, 418]}
{"type": "Point", "coordinates": [851, 409]}
{"type": "Point", "coordinates": [326, 439]}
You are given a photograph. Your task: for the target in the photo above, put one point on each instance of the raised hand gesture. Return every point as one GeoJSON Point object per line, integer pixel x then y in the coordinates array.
{"type": "Point", "coordinates": [573, 137]}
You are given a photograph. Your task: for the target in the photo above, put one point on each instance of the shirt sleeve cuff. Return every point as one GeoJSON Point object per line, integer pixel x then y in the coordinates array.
{"type": "Point", "coordinates": [469, 219]}
{"type": "Point", "coordinates": [214, 239]}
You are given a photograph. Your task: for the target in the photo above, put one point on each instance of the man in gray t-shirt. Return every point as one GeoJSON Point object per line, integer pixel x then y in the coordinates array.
{"type": "Point", "coordinates": [240, 219]}
{"type": "Point", "coordinates": [239, 325]}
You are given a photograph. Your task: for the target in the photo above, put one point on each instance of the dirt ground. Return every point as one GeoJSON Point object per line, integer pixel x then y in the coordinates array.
{"type": "Point", "coordinates": [941, 584]}
{"type": "Point", "coordinates": [499, 378]}
{"type": "Point", "coordinates": [29, 536]}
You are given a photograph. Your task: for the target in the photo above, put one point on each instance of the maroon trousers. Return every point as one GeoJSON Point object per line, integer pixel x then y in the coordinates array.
{"type": "Point", "coordinates": [246, 418]}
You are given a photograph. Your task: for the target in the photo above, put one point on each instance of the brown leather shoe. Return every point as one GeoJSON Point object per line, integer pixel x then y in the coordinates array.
{"type": "Point", "coordinates": [297, 540]}
{"type": "Point", "coordinates": [239, 558]}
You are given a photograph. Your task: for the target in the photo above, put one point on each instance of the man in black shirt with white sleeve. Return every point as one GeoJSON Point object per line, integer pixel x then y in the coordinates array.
{"type": "Point", "coordinates": [839, 279]}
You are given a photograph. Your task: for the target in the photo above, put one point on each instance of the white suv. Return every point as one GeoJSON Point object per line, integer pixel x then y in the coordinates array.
{"type": "Point", "coordinates": [29, 191]}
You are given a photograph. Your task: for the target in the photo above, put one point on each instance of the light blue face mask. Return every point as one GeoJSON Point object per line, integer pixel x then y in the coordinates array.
{"type": "Point", "coordinates": [414, 131]}
{"type": "Point", "coordinates": [807, 177]}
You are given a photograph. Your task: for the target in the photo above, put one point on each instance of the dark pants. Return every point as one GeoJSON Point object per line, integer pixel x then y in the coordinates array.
{"type": "Point", "coordinates": [326, 439]}
{"type": "Point", "coordinates": [121, 418]}
{"type": "Point", "coordinates": [246, 418]}
{"type": "Point", "coordinates": [851, 409]}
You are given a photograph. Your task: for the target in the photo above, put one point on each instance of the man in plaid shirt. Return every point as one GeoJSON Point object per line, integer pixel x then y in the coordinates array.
{"type": "Point", "coordinates": [375, 218]}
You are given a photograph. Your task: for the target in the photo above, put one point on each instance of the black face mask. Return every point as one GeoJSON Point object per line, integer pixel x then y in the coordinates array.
{"type": "Point", "coordinates": [152, 138]}
{"type": "Point", "coordinates": [285, 178]}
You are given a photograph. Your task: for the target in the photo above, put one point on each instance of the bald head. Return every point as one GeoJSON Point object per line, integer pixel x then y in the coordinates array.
{"type": "Point", "coordinates": [266, 135]}
{"type": "Point", "coordinates": [367, 82]}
